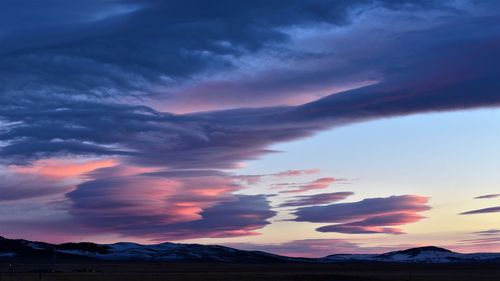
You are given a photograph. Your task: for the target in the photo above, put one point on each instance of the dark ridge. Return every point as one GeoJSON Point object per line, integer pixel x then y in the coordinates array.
{"type": "Point", "coordinates": [415, 251]}
{"type": "Point", "coordinates": [24, 250]}
{"type": "Point", "coordinates": [85, 247]}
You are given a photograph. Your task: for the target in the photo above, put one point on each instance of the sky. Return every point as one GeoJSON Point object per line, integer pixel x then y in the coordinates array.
{"type": "Point", "coordinates": [302, 128]}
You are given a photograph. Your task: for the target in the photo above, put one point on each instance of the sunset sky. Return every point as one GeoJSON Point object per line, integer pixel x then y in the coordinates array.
{"type": "Point", "coordinates": [302, 128]}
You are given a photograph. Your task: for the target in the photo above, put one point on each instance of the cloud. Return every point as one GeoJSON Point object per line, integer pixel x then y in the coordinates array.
{"type": "Point", "coordinates": [129, 48]}
{"type": "Point", "coordinates": [481, 244]}
{"type": "Point", "coordinates": [129, 203]}
{"type": "Point", "coordinates": [373, 215]}
{"type": "Point", "coordinates": [160, 207]}
{"type": "Point", "coordinates": [482, 241]}
{"type": "Point", "coordinates": [22, 186]}
{"type": "Point", "coordinates": [316, 199]}
{"type": "Point", "coordinates": [488, 232]}
{"type": "Point", "coordinates": [374, 224]}
{"type": "Point", "coordinates": [320, 183]}
{"type": "Point", "coordinates": [45, 178]}
{"type": "Point", "coordinates": [296, 173]}
{"type": "Point", "coordinates": [488, 196]}
{"type": "Point", "coordinates": [58, 169]}
{"type": "Point", "coordinates": [223, 139]}
{"type": "Point", "coordinates": [249, 179]}
{"type": "Point", "coordinates": [253, 179]}
{"type": "Point", "coordinates": [482, 211]}
{"type": "Point", "coordinates": [493, 241]}
{"type": "Point", "coordinates": [146, 49]}
{"type": "Point", "coordinates": [239, 217]}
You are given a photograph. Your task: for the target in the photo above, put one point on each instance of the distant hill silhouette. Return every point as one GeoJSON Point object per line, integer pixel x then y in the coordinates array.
{"type": "Point", "coordinates": [24, 250]}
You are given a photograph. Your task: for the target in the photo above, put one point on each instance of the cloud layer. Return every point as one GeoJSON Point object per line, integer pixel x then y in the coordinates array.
{"type": "Point", "coordinates": [111, 80]}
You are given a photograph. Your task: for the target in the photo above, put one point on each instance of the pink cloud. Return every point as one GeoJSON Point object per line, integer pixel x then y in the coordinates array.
{"type": "Point", "coordinates": [63, 168]}
{"type": "Point", "coordinates": [253, 179]}
{"type": "Point", "coordinates": [167, 205]}
{"type": "Point", "coordinates": [145, 203]}
{"type": "Point", "coordinates": [296, 173]}
{"type": "Point", "coordinates": [321, 183]}
{"type": "Point", "coordinates": [46, 177]}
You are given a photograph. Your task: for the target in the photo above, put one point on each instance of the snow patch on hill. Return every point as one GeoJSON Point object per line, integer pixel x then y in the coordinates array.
{"type": "Point", "coordinates": [417, 255]}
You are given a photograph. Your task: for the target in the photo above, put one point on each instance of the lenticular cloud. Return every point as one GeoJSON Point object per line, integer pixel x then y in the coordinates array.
{"type": "Point", "coordinates": [373, 215]}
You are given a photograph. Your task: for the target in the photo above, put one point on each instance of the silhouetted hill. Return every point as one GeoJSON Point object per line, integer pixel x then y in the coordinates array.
{"type": "Point", "coordinates": [18, 250]}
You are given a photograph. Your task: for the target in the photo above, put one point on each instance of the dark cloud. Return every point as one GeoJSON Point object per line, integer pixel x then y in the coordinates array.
{"type": "Point", "coordinates": [316, 199]}
{"type": "Point", "coordinates": [482, 211]}
{"type": "Point", "coordinates": [316, 65]}
{"type": "Point", "coordinates": [462, 76]}
{"type": "Point", "coordinates": [374, 224]}
{"type": "Point", "coordinates": [133, 47]}
{"type": "Point", "coordinates": [142, 48]}
{"type": "Point", "coordinates": [373, 215]}
{"type": "Point", "coordinates": [239, 217]}
{"type": "Point", "coordinates": [224, 138]}
{"type": "Point", "coordinates": [488, 196]}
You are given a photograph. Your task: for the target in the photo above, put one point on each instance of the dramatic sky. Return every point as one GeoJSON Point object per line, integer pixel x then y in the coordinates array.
{"type": "Point", "coordinates": [303, 128]}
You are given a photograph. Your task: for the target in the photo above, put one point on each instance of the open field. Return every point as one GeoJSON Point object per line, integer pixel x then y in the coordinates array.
{"type": "Point", "coordinates": [248, 272]}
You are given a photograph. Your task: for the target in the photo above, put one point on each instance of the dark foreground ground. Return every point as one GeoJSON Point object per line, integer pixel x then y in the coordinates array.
{"type": "Point", "coordinates": [247, 272]}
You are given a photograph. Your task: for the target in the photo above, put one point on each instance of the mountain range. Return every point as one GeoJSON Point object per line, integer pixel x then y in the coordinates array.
{"type": "Point", "coordinates": [24, 250]}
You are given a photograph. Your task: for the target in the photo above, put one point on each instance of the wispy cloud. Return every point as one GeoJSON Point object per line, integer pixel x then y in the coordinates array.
{"type": "Point", "coordinates": [316, 199]}
{"type": "Point", "coordinates": [296, 173]}
{"type": "Point", "coordinates": [488, 196]}
{"type": "Point", "coordinates": [483, 211]}
{"type": "Point", "coordinates": [253, 179]}
{"type": "Point", "coordinates": [320, 183]}
{"type": "Point", "coordinates": [488, 232]}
